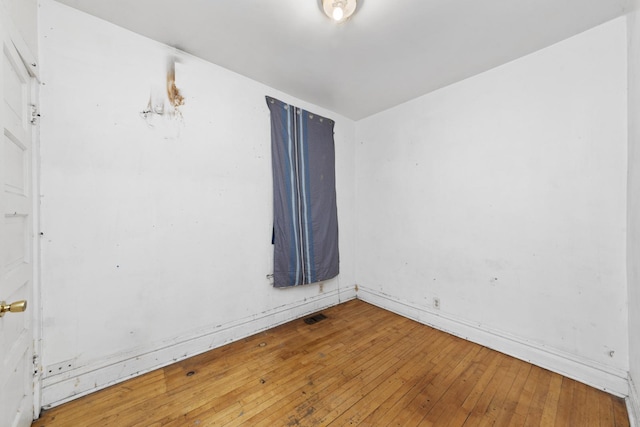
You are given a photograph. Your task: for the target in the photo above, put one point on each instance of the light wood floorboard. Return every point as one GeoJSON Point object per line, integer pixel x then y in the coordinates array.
{"type": "Point", "coordinates": [360, 366]}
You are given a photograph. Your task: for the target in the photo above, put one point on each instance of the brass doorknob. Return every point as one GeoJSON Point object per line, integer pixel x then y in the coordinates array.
{"type": "Point", "coordinates": [14, 307]}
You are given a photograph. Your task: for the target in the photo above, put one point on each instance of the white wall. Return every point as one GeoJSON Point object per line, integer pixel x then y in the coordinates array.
{"type": "Point", "coordinates": [504, 196]}
{"type": "Point", "coordinates": [157, 241]}
{"type": "Point", "coordinates": [633, 193]}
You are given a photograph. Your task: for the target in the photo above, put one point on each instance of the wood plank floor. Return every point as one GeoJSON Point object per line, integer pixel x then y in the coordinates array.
{"type": "Point", "coordinates": [360, 366]}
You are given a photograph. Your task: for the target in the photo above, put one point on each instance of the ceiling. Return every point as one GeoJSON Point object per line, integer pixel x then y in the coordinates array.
{"type": "Point", "coordinates": [389, 52]}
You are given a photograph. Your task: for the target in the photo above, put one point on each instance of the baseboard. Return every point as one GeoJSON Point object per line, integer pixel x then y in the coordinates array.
{"type": "Point", "coordinates": [633, 404]}
{"type": "Point", "coordinates": [61, 388]}
{"type": "Point", "coordinates": [347, 293]}
{"type": "Point", "coordinates": [587, 371]}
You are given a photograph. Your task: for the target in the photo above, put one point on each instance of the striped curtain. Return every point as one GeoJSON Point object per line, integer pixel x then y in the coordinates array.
{"type": "Point", "coordinates": [305, 225]}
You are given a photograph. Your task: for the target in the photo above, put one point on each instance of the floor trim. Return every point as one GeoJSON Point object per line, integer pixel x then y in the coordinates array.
{"type": "Point", "coordinates": [587, 371]}
{"type": "Point", "coordinates": [60, 388]}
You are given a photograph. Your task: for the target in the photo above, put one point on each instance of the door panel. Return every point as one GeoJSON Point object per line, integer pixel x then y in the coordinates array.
{"type": "Point", "coordinates": [16, 237]}
{"type": "Point", "coordinates": [15, 160]}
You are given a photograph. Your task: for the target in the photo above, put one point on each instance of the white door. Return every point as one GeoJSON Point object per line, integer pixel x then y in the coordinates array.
{"type": "Point", "coordinates": [16, 239]}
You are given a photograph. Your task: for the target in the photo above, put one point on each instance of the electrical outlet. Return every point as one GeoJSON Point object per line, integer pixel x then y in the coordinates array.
{"type": "Point", "coordinates": [321, 287]}
{"type": "Point", "coordinates": [436, 303]}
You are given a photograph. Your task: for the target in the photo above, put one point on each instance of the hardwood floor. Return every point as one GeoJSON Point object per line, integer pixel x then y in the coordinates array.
{"type": "Point", "coordinates": [360, 366]}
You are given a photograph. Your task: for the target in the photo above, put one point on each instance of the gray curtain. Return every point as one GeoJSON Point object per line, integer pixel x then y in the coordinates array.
{"type": "Point", "coordinates": [305, 225]}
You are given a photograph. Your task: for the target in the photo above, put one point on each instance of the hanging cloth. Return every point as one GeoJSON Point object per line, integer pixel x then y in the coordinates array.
{"type": "Point", "coordinates": [305, 226]}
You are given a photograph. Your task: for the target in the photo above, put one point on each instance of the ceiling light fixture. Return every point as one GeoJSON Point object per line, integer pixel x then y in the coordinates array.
{"type": "Point", "coordinates": [339, 10]}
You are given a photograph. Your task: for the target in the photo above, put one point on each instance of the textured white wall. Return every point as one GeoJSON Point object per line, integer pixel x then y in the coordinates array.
{"type": "Point", "coordinates": [504, 196]}
{"type": "Point", "coordinates": [153, 236]}
{"type": "Point", "coordinates": [633, 191]}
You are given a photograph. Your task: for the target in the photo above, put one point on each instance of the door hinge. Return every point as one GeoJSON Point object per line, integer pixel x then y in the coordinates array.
{"type": "Point", "coordinates": [35, 114]}
{"type": "Point", "coordinates": [36, 365]}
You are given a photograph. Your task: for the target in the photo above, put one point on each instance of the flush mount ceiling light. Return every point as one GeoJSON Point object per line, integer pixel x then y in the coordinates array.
{"type": "Point", "coordinates": [339, 10]}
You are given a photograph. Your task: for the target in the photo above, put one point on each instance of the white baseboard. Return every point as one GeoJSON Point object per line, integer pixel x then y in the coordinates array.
{"type": "Point", "coordinates": [61, 388]}
{"type": "Point", "coordinates": [347, 294]}
{"type": "Point", "coordinates": [581, 369]}
{"type": "Point", "coordinates": [633, 404]}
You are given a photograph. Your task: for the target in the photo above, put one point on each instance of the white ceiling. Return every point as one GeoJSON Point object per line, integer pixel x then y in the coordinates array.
{"type": "Point", "coordinates": [389, 52]}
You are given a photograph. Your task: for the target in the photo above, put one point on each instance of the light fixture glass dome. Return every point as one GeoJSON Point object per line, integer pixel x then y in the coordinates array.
{"type": "Point", "coordinates": [339, 10]}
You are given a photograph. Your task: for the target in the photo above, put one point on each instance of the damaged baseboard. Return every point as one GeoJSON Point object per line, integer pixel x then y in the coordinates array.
{"type": "Point", "coordinates": [587, 371]}
{"type": "Point", "coordinates": [79, 381]}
